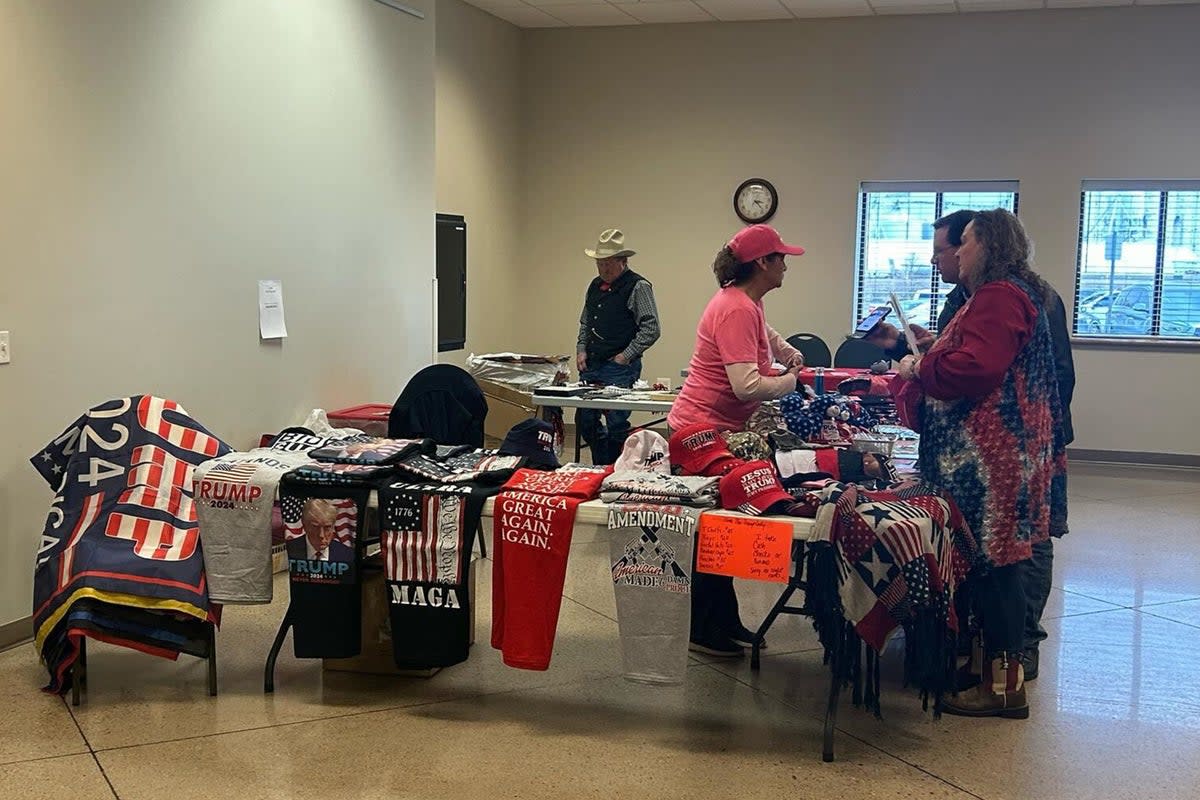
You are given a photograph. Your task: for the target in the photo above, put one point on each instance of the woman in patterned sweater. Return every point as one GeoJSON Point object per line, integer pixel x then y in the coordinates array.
{"type": "Point", "coordinates": [992, 437]}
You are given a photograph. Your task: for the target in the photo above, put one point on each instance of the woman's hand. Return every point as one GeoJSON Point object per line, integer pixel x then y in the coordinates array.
{"type": "Point", "coordinates": [908, 367]}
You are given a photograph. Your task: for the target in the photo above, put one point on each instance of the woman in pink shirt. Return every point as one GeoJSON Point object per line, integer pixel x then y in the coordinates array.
{"type": "Point", "coordinates": [730, 374]}
{"type": "Point", "coordinates": [731, 370]}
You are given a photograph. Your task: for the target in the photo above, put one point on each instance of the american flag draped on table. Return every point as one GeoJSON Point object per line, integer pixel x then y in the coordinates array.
{"type": "Point", "coordinates": [892, 558]}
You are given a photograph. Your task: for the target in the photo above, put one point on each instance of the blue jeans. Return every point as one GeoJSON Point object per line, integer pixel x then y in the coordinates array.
{"type": "Point", "coordinates": [605, 430]}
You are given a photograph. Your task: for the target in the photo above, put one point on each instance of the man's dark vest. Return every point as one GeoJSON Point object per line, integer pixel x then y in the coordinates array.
{"type": "Point", "coordinates": [611, 325]}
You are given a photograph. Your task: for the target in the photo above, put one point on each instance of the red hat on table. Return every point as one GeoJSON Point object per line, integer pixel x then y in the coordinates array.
{"type": "Point", "coordinates": [698, 449]}
{"type": "Point", "coordinates": [757, 241]}
{"type": "Point", "coordinates": [752, 488]}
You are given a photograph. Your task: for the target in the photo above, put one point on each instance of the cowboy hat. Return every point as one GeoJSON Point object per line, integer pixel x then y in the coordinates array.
{"type": "Point", "coordinates": [610, 245]}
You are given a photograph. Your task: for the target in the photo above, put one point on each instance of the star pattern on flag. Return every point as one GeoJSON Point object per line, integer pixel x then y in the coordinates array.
{"type": "Point", "coordinates": [291, 506]}
{"type": "Point", "coordinates": [877, 513]}
{"type": "Point", "coordinates": [875, 564]}
{"type": "Point", "coordinates": [46, 456]}
{"type": "Point", "coordinates": [56, 469]}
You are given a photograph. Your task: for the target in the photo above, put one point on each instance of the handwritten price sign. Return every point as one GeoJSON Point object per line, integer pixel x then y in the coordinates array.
{"type": "Point", "coordinates": [744, 547]}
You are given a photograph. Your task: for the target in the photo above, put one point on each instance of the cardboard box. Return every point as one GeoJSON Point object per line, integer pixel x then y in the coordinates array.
{"type": "Point", "coordinates": [506, 407]}
{"type": "Point", "coordinates": [376, 657]}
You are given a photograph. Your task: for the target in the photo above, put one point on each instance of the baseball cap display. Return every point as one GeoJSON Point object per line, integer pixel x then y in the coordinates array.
{"type": "Point", "coordinates": [698, 449]}
{"type": "Point", "coordinates": [753, 488]}
{"type": "Point", "coordinates": [534, 439]}
{"type": "Point", "coordinates": [645, 451]}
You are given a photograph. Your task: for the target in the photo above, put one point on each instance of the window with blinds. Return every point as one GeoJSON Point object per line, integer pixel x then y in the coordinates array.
{"type": "Point", "coordinates": [1138, 269]}
{"type": "Point", "coordinates": [895, 240]}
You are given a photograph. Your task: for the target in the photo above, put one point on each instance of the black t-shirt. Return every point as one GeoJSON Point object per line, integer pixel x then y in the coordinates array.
{"type": "Point", "coordinates": [326, 595]}
{"type": "Point", "coordinates": [427, 535]}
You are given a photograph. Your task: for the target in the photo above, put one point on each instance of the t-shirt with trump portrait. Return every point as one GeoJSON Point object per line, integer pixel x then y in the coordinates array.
{"type": "Point", "coordinates": [323, 528]}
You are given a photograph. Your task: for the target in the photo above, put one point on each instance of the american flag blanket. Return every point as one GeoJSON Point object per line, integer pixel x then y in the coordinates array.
{"type": "Point", "coordinates": [900, 554]}
{"type": "Point", "coordinates": [121, 531]}
{"type": "Point", "coordinates": [882, 560]}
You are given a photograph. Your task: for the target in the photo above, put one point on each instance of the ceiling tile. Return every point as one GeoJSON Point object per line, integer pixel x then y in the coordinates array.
{"type": "Point", "coordinates": [668, 11]}
{"type": "Point", "coordinates": [911, 7]}
{"type": "Point", "coordinates": [591, 15]}
{"type": "Point", "coordinates": [1000, 5]}
{"type": "Point", "coordinates": [488, 5]}
{"type": "Point", "coordinates": [549, 3]}
{"type": "Point", "coordinates": [829, 8]}
{"type": "Point", "coordinates": [1086, 3]}
{"type": "Point", "coordinates": [1163, 2]}
{"type": "Point", "coordinates": [739, 10]}
{"type": "Point", "coordinates": [527, 17]}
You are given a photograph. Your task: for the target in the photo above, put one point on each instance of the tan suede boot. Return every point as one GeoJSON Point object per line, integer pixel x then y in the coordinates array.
{"type": "Point", "coordinates": [1000, 693]}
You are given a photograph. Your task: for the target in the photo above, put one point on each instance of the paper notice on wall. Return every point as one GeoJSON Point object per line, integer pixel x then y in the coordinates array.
{"type": "Point", "coordinates": [271, 324]}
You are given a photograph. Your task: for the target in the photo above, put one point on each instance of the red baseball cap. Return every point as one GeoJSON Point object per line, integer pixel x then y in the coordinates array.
{"type": "Point", "coordinates": [752, 488]}
{"type": "Point", "coordinates": [698, 449]}
{"type": "Point", "coordinates": [757, 241]}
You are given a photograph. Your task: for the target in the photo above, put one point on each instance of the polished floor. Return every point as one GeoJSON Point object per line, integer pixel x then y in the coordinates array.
{"type": "Point", "coordinates": [1116, 711]}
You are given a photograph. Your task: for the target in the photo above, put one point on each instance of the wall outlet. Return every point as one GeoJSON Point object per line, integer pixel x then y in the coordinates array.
{"type": "Point", "coordinates": [5, 352]}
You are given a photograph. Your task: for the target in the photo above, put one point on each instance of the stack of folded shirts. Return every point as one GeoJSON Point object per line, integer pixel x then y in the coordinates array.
{"type": "Point", "coordinates": [639, 486]}
{"type": "Point", "coordinates": [474, 466]}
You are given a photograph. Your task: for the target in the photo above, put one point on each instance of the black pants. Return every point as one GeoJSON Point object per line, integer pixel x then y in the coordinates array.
{"type": "Point", "coordinates": [999, 598]}
{"type": "Point", "coordinates": [714, 608]}
{"type": "Point", "coordinates": [1037, 573]}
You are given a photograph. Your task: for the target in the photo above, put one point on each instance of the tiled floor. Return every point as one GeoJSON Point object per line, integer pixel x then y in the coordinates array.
{"type": "Point", "coordinates": [1116, 711]}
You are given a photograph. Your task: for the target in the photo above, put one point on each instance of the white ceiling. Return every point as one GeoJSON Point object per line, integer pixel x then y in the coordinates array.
{"type": "Point", "coordinates": [578, 13]}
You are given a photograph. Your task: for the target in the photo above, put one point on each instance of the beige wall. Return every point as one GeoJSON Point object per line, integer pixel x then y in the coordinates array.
{"type": "Point", "coordinates": [158, 158]}
{"type": "Point", "coordinates": [478, 162]}
{"type": "Point", "coordinates": [651, 128]}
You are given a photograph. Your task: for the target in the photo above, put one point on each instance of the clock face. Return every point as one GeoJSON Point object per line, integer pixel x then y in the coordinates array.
{"type": "Point", "coordinates": [755, 200]}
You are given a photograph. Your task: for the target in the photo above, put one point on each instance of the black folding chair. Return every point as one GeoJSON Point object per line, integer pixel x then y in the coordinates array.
{"type": "Point", "coordinates": [813, 348]}
{"type": "Point", "coordinates": [444, 403]}
{"type": "Point", "coordinates": [858, 353]}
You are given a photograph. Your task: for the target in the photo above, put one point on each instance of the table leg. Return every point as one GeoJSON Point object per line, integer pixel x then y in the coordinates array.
{"type": "Point", "coordinates": [212, 660]}
{"type": "Point", "coordinates": [276, 646]}
{"type": "Point", "coordinates": [761, 633]}
{"type": "Point", "coordinates": [835, 687]}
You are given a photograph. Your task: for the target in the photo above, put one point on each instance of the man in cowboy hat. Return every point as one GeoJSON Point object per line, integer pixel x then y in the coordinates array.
{"type": "Point", "coordinates": [619, 322]}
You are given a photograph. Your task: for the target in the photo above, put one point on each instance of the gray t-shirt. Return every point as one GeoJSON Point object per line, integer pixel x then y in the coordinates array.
{"type": "Point", "coordinates": [651, 550]}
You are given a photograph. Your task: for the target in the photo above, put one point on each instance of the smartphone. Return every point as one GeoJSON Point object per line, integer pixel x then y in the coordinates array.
{"type": "Point", "coordinates": [870, 321]}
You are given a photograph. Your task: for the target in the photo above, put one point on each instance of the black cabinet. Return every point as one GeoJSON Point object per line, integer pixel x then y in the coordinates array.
{"type": "Point", "coordinates": [452, 282]}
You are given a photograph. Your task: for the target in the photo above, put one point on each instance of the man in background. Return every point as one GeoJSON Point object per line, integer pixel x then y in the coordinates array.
{"type": "Point", "coordinates": [947, 238]}
{"type": "Point", "coordinates": [619, 322]}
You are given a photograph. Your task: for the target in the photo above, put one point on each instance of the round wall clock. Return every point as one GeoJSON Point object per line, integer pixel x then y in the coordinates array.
{"type": "Point", "coordinates": [755, 200]}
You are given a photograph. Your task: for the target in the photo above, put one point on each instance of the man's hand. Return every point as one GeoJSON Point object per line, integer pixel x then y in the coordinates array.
{"type": "Point", "coordinates": [886, 335]}
{"type": "Point", "coordinates": [581, 361]}
{"type": "Point", "coordinates": [796, 361]}
{"type": "Point", "coordinates": [924, 338]}
{"type": "Point", "coordinates": [620, 358]}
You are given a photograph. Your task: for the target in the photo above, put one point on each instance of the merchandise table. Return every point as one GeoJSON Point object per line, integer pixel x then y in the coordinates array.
{"type": "Point", "coordinates": [595, 513]}
{"type": "Point", "coordinates": [833, 375]}
{"type": "Point", "coordinates": [619, 403]}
